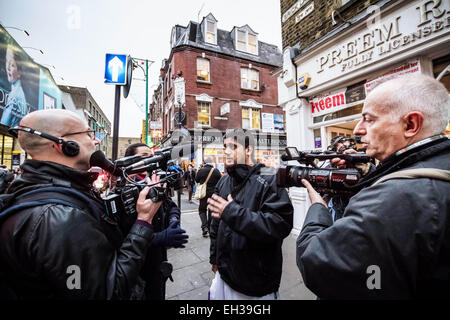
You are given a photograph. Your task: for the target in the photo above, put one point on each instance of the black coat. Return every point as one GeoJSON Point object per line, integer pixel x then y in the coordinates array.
{"type": "Point", "coordinates": [246, 242]}
{"type": "Point", "coordinates": [39, 244]}
{"type": "Point", "coordinates": [201, 176]}
{"type": "Point", "coordinates": [400, 226]}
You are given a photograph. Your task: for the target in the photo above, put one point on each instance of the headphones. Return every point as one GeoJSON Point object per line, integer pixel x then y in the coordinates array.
{"type": "Point", "coordinates": [69, 148]}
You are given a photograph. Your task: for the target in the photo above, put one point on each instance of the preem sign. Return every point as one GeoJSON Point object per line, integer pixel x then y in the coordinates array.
{"type": "Point", "coordinates": [420, 23]}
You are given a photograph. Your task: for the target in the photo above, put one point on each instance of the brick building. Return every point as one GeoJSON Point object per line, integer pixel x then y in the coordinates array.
{"type": "Point", "coordinates": [336, 52]}
{"type": "Point", "coordinates": [226, 82]}
{"type": "Point", "coordinates": [96, 119]}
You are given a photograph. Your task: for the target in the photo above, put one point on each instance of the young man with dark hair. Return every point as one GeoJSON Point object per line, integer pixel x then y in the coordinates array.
{"type": "Point", "coordinates": [251, 216]}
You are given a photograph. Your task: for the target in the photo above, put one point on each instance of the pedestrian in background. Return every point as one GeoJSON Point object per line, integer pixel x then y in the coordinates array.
{"type": "Point", "coordinates": [202, 175]}
{"type": "Point", "coordinates": [189, 180]}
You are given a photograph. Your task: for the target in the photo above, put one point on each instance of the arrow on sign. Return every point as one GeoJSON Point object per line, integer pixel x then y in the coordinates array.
{"type": "Point", "coordinates": [115, 65]}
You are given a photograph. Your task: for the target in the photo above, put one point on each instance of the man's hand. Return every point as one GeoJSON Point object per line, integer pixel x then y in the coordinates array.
{"type": "Point", "coordinates": [146, 208]}
{"type": "Point", "coordinates": [214, 268]}
{"type": "Point", "coordinates": [314, 196]}
{"type": "Point", "coordinates": [217, 204]}
{"type": "Point", "coordinates": [340, 163]}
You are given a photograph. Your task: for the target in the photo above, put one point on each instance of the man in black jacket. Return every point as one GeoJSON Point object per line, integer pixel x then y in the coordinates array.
{"type": "Point", "coordinates": [393, 241]}
{"type": "Point", "coordinates": [168, 233]}
{"type": "Point", "coordinates": [251, 217]}
{"type": "Point", "coordinates": [202, 175]}
{"type": "Point", "coordinates": [62, 251]}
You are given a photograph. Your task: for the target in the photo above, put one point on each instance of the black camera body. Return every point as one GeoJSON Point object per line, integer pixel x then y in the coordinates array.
{"type": "Point", "coordinates": [325, 180]}
{"type": "Point", "coordinates": [121, 201]}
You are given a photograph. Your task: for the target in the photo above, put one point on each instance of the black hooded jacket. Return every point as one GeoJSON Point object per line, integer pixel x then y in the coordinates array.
{"type": "Point", "coordinates": [43, 245]}
{"type": "Point", "coordinates": [246, 242]}
{"type": "Point", "coordinates": [393, 241]}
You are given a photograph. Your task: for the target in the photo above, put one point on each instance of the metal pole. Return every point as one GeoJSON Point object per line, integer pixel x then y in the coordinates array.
{"type": "Point", "coordinates": [146, 101]}
{"type": "Point", "coordinates": [115, 144]}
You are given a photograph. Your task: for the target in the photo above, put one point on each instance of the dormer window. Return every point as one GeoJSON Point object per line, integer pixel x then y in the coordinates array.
{"type": "Point", "coordinates": [211, 32]}
{"type": "Point", "coordinates": [209, 29]}
{"type": "Point", "coordinates": [246, 41]}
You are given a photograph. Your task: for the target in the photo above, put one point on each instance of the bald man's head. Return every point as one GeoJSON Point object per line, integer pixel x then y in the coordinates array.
{"type": "Point", "coordinates": [55, 122]}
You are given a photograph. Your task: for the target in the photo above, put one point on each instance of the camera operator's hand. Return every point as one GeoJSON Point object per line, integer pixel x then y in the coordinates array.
{"type": "Point", "coordinates": [314, 196]}
{"type": "Point", "coordinates": [340, 163]}
{"type": "Point", "coordinates": [146, 208]}
{"type": "Point", "coordinates": [173, 236]}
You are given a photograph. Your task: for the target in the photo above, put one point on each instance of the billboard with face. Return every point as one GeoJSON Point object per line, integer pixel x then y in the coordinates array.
{"type": "Point", "coordinates": [23, 83]}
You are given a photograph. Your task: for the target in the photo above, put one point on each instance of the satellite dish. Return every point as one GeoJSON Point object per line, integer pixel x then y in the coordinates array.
{"type": "Point", "coordinates": [127, 87]}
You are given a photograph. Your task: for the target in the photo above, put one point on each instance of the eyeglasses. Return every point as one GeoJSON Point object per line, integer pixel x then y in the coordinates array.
{"type": "Point", "coordinates": [90, 133]}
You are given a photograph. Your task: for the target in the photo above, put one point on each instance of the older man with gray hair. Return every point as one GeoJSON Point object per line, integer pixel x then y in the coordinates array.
{"type": "Point", "coordinates": [393, 241]}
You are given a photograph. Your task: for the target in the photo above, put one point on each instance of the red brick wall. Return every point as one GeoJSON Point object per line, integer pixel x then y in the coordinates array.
{"type": "Point", "coordinates": [225, 77]}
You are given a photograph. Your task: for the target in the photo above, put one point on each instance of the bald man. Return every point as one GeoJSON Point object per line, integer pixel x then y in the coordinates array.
{"type": "Point", "coordinates": [393, 241]}
{"type": "Point", "coordinates": [68, 251]}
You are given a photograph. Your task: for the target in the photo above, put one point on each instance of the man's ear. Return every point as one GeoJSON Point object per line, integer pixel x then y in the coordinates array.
{"type": "Point", "coordinates": [57, 147]}
{"type": "Point", "coordinates": [413, 123]}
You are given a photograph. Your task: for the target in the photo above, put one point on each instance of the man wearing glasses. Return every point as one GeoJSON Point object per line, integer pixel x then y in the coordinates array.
{"type": "Point", "coordinates": [62, 250]}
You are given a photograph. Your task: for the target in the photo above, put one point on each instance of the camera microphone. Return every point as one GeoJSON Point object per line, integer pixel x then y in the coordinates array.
{"type": "Point", "coordinates": [165, 155]}
{"type": "Point", "coordinates": [98, 159]}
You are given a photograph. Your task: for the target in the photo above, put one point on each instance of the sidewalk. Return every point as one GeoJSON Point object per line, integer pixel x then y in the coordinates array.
{"type": "Point", "coordinates": [192, 273]}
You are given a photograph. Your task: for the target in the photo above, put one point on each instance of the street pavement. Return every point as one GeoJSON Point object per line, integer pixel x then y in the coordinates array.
{"type": "Point", "coordinates": [192, 273]}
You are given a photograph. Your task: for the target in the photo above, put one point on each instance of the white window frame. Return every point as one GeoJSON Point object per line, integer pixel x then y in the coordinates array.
{"type": "Point", "coordinates": [199, 102]}
{"type": "Point", "coordinates": [250, 115]}
{"type": "Point", "coordinates": [249, 87]}
{"type": "Point", "coordinates": [247, 50]}
{"type": "Point", "coordinates": [209, 69]}
{"type": "Point", "coordinates": [206, 31]}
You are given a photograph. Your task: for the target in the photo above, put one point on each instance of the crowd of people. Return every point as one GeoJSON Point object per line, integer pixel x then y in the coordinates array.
{"type": "Point", "coordinates": [397, 224]}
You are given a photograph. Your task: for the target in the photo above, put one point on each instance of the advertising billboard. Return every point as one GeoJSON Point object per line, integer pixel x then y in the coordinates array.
{"type": "Point", "coordinates": [25, 86]}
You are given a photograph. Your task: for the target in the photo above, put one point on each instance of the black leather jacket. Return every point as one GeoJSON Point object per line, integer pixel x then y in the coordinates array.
{"type": "Point", "coordinates": [40, 245]}
{"type": "Point", "coordinates": [400, 227]}
{"type": "Point", "coordinates": [246, 242]}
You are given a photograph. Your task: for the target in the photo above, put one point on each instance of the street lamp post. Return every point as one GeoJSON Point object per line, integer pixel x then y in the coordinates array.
{"type": "Point", "coordinates": [137, 60]}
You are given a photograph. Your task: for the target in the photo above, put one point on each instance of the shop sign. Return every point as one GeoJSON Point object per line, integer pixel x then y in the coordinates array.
{"type": "Point", "coordinates": [156, 124]}
{"type": "Point", "coordinates": [355, 93]}
{"type": "Point", "coordinates": [224, 109]}
{"type": "Point", "coordinates": [329, 103]}
{"type": "Point", "coordinates": [267, 122]}
{"type": "Point", "coordinates": [409, 27]}
{"type": "Point", "coordinates": [411, 67]}
{"type": "Point", "coordinates": [156, 133]}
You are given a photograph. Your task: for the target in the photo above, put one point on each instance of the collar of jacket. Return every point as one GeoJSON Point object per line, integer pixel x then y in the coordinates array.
{"type": "Point", "coordinates": [46, 172]}
{"type": "Point", "coordinates": [402, 159]}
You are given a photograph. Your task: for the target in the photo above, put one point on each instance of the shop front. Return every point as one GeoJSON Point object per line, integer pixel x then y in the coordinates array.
{"type": "Point", "coordinates": [210, 149]}
{"type": "Point", "coordinates": [409, 38]}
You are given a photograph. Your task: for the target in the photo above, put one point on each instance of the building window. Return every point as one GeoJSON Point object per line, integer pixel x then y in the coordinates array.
{"type": "Point", "coordinates": [210, 36]}
{"type": "Point", "coordinates": [247, 42]}
{"type": "Point", "coordinates": [250, 118]}
{"type": "Point", "coordinates": [249, 79]}
{"type": "Point", "coordinates": [203, 70]}
{"type": "Point", "coordinates": [203, 111]}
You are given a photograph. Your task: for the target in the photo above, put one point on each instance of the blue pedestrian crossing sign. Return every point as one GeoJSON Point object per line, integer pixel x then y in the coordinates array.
{"type": "Point", "coordinates": [116, 69]}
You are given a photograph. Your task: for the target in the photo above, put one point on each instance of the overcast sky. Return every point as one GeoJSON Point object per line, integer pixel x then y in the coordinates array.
{"type": "Point", "coordinates": [75, 36]}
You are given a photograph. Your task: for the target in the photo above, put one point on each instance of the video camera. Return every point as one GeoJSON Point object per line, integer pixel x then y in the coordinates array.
{"type": "Point", "coordinates": [121, 201]}
{"type": "Point", "coordinates": [325, 180]}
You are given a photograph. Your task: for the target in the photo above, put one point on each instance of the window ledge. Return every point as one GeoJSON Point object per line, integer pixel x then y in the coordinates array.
{"type": "Point", "coordinates": [203, 82]}
{"type": "Point", "coordinates": [251, 90]}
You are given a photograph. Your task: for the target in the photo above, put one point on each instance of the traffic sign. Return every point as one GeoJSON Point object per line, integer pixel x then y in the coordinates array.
{"type": "Point", "coordinates": [116, 69]}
